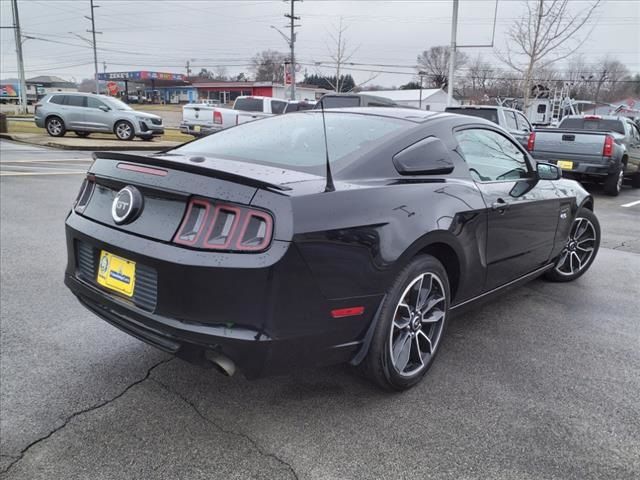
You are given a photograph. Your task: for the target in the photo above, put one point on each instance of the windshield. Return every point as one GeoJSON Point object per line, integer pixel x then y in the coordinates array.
{"type": "Point", "coordinates": [296, 141]}
{"type": "Point", "coordinates": [593, 124]}
{"type": "Point", "coordinates": [486, 113]}
{"type": "Point", "coordinates": [117, 104]}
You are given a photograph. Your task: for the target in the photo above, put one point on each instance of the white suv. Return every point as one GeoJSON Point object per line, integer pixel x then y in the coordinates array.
{"type": "Point", "coordinates": [86, 113]}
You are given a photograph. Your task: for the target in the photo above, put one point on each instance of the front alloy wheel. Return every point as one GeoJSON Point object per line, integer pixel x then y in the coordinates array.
{"type": "Point", "coordinates": [579, 250]}
{"type": "Point", "coordinates": [124, 131]}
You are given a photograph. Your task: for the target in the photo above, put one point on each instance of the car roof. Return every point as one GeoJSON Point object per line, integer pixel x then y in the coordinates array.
{"type": "Point", "coordinates": [596, 117]}
{"type": "Point", "coordinates": [480, 107]}
{"type": "Point", "coordinates": [410, 114]}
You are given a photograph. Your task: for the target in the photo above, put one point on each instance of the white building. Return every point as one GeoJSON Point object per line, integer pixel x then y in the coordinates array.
{"type": "Point", "coordinates": [432, 98]}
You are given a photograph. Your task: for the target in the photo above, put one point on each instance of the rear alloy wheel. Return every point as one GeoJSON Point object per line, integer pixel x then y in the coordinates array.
{"type": "Point", "coordinates": [124, 130]}
{"type": "Point", "coordinates": [55, 127]}
{"type": "Point", "coordinates": [613, 182]}
{"type": "Point", "coordinates": [580, 250]}
{"type": "Point", "coordinates": [411, 325]}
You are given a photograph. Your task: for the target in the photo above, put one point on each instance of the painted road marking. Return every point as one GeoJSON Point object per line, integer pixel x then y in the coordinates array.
{"type": "Point", "coordinates": [19, 174]}
{"type": "Point", "coordinates": [632, 204]}
{"type": "Point", "coordinates": [51, 160]}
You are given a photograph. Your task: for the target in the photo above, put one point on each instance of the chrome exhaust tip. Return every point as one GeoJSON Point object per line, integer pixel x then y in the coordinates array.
{"type": "Point", "coordinates": [221, 362]}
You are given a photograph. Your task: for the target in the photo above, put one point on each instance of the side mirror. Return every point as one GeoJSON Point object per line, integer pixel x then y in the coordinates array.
{"type": "Point", "coordinates": [104, 108]}
{"type": "Point", "coordinates": [548, 171]}
{"type": "Point", "coordinates": [426, 157]}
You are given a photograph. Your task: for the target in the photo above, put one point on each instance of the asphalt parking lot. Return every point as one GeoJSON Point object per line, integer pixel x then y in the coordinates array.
{"type": "Point", "coordinates": [542, 383]}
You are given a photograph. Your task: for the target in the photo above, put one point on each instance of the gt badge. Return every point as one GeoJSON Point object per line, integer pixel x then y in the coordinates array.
{"type": "Point", "coordinates": [127, 205]}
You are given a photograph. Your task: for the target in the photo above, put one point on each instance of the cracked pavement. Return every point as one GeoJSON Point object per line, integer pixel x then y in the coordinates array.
{"type": "Point", "coordinates": [541, 383]}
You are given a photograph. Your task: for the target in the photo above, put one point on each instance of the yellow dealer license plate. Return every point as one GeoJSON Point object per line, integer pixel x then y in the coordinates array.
{"type": "Point", "coordinates": [117, 273]}
{"type": "Point", "coordinates": [565, 164]}
{"type": "Point", "coordinates": [196, 128]}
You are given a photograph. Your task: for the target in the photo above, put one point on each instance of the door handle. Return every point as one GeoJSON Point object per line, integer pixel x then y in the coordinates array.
{"type": "Point", "coordinates": [500, 205]}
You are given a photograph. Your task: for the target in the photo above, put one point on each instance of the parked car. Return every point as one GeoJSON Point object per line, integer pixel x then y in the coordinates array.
{"type": "Point", "coordinates": [228, 252]}
{"type": "Point", "coordinates": [592, 147]}
{"type": "Point", "coordinates": [86, 113]}
{"type": "Point", "coordinates": [200, 119]}
{"type": "Point", "coordinates": [347, 100]}
{"type": "Point", "coordinates": [512, 120]}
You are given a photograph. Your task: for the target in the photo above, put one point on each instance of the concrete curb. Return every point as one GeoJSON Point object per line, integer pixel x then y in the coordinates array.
{"type": "Point", "coordinates": [127, 146]}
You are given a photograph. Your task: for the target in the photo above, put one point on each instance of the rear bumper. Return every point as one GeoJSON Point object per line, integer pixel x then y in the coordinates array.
{"type": "Point", "coordinates": [199, 130]}
{"type": "Point", "coordinates": [583, 168]}
{"type": "Point", "coordinates": [269, 320]}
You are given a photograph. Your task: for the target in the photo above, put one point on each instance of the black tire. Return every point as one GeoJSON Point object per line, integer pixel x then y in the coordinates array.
{"type": "Point", "coordinates": [124, 130]}
{"type": "Point", "coordinates": [379, 365]}
{"type": "Point", "coordinates": [613, 182]}
{"type": "Point", "coordinates": [82, 134]}
{"type": "Point", "coordinates": [55, 126]}
{"type": "Point", "coordinates": [635, 180]}
{"type": "Point", "coordinates": [147, 139]}
{"type": "Point", "coordinates": [563, 273]}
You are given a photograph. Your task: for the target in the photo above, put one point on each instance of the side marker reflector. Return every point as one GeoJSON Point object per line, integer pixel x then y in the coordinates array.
{"type": "Point", "coordinates": [347, 312]}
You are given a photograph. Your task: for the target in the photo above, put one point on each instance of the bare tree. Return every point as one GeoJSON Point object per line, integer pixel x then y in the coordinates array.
{"type": "Point", "coordinates": [479, 79]}
{"type": "Point", "coordinates": [607, 77]}
{"type": "Point", "coordinates": [268, 66]}
{"type": "Point", "coordinates": [545, 34]}
{"type": "Point", "coordinates": [340, 53]}
{"type": "Point", "coordinates": [435, 63]}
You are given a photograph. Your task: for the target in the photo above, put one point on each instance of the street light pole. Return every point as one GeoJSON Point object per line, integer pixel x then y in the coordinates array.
{"type": "Point", "coordinates": [292, 42]}
{"type": "Point", "coordinates": [18, 36]}
{"type": "Point", "coordinates": [95, 54]}
{"type": "Point", "coordinates": [452, 54]}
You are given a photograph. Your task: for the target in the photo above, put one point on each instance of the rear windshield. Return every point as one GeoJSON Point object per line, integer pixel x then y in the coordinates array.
{"type": "Point", "coordinates": [487, 114]}
{"type": "Point", "coordinates": [592, 124]}
{"type": "Point", "coordinates": [296, 141]}
{"type": "Point", "coordinates": [340, 102]}
{"type": "Point", "coordinates": [249, 104]}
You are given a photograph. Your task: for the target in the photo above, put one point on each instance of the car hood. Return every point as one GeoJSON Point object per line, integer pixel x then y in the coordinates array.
{"type": "Point", "coordinates": [147, 115]}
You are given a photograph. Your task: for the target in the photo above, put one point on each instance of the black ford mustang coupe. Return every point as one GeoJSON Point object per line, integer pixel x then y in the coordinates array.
{"type": "Point", "coordinates": [319, 237]}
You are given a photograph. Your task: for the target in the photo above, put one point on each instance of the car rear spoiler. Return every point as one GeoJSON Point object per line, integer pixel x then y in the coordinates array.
{"type": "Point", "coordinates": [190, 168]}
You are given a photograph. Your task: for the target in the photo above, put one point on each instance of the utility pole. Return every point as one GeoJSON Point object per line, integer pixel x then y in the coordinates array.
{"type": "Point", "coordinates": [452, 54]}
{"type": "Point", "coordinates": [18, 37]}
{"type": "Point", "coordinates": [188, 67]}
{"type": "Point", "coordinates": [95, 54]}
{"type": "Point", "coordinates": [292, 41]}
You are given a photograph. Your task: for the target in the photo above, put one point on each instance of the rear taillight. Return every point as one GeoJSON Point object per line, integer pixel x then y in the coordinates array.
{"type": "Point", "coordinates": [607, 150]}
{"type": "Point", "coordinates": [222, 226]}
{"type": "Point", "coordinates": [531, 142]}
{"type": "Point", "coordinates": [217, 117]}
{"type": "Point", "coordinates": [86, 190]}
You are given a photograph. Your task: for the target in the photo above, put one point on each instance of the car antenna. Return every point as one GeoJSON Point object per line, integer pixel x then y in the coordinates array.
{"type": "Point", "coordinates": [330, 187]}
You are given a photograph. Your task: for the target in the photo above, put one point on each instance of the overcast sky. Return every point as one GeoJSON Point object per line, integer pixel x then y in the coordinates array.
{"type": "Point", "coordinates": [162, 35]}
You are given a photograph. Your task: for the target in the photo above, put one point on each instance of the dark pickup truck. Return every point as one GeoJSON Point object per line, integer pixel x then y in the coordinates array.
{"type": "Point", "coordinates": [590, 147]}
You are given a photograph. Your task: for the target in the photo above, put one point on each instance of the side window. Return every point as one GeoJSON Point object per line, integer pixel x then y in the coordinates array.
{"type": "Point", "coordinates": [542, 108]}
{"type": "Point", "coordinates": [57, 99]}
{"type": "Point", "coordinates": [75, 100]}
{"type": "Point", "coordinates": [635, 133]}
{"type": "Point", "coordinates": [491, 156]}
{"type": "Point", "coordinates": [523, 123]}
{"type": "Point", "coordinates": [511, 120]}
{"type": "Point", "coordinates": [277, 107]}
{"type": "Point", "coordinates": [94, 103]}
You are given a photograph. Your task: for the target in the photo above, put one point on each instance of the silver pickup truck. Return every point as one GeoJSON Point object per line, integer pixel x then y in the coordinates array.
{"type": "Point", "coordinates": [590, 147]}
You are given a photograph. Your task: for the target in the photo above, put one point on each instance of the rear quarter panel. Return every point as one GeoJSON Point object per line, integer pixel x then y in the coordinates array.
{"type": "Point", "coordinates": [357, 239]}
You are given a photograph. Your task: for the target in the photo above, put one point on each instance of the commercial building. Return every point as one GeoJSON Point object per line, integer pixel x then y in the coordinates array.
{"type": "Point", "coordinates": [426, 99]}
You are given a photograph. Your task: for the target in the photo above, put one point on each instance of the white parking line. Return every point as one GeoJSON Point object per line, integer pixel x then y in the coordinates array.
{"type": "Point", "coordinates": [20, 174]}
{"type": "Point", "coordinates": [626, 205]}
